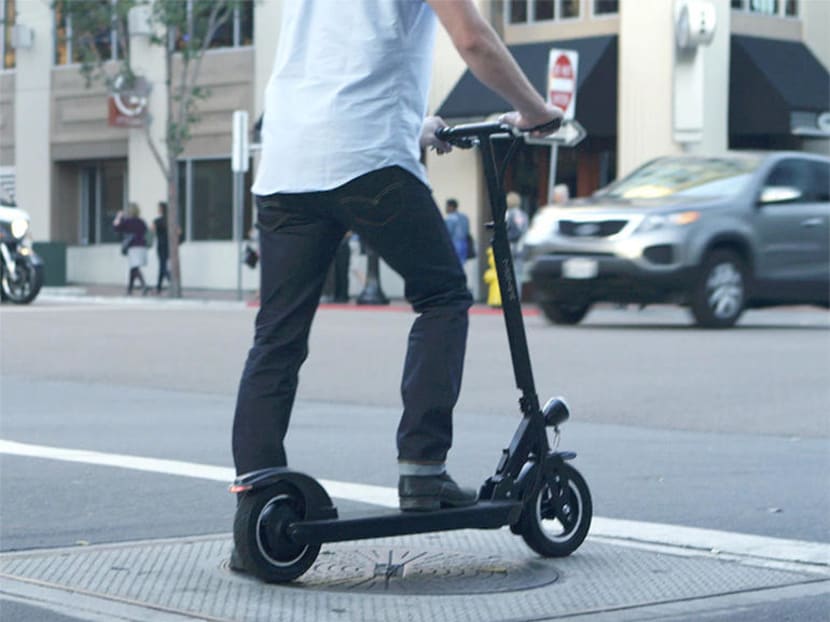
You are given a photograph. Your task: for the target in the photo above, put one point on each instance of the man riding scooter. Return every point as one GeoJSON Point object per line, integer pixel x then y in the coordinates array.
{"type": "Point", "coordinates": [342, 135]}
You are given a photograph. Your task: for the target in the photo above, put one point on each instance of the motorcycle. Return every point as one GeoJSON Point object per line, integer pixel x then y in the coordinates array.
{"type": "Point", "coordinates": [21, 270]}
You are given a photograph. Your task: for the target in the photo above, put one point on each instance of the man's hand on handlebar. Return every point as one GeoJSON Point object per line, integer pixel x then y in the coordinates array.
{"type": "Point", "coordinates": [428, 137]}
{"type": "Point", "coordinates": [542, 123]}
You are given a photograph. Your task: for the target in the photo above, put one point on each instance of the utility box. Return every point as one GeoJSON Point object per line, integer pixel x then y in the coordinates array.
{"type": "Point", "coordinates": [53, 255]}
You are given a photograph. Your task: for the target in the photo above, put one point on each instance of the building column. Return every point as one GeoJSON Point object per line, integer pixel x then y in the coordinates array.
{"type": "Point", "coordinates": [32, 117]}
{"type": "Point", "coordinates": [644, 111]}
{"type": "Point", "coordinates": [647, 70]}
{"type": "Point", "coordinates": [715, 135]}
{"type": "Point", "coordinates": [146, 182]}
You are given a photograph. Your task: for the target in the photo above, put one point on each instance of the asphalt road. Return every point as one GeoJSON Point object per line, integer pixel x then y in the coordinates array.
{"type": "Point", "coordinates": [723, 430]}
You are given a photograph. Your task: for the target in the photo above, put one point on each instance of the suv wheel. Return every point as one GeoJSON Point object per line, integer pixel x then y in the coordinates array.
{"type": "Point", "coordinates": [561, 313]}
{"type": "Point", "coordinates": [719, 296]}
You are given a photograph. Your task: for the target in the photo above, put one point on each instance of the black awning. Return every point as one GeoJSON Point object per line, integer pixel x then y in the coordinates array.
{"type": "Point", "coordinates": [769, 80]}
{"type": "Point", "coordinates": [596, 95]}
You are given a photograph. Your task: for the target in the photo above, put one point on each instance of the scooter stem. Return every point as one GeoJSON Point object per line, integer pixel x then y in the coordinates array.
{"type": "Point", "coordinates": [511, 303]}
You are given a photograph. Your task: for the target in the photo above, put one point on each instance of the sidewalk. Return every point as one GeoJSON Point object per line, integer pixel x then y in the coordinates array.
{"type": "Point", "coordinates": [110, 294]}
{"type": "Point", "coordinates": [117, 291]}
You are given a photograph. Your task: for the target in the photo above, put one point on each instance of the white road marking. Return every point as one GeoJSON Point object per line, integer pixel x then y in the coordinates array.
{"type": "Point", "coordinates": [632, 532]}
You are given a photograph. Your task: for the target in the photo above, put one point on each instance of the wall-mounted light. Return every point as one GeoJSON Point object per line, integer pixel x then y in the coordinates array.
{"type": "Point", "coordinates": [695, 24]}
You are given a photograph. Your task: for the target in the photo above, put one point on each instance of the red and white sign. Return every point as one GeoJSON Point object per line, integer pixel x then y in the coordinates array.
{"type": "Point", "coordinates": [127, 107]}
{"type": "Point", "coordinates": [562, 68]}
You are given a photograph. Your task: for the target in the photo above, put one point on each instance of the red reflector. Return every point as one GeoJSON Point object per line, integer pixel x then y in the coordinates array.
{"type": "Point", "coordinates": [237, 488]}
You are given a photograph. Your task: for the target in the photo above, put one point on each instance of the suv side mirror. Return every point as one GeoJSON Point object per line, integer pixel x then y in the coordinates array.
{"type": "Point", "coordinates": [779, 194]}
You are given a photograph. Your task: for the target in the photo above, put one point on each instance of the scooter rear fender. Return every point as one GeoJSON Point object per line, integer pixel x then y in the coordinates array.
{"type": "Point", "coordinates": [317, 500]}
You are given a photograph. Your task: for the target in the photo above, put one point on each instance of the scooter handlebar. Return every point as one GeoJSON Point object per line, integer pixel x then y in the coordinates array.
{"type": "Point", "coordinates": [466, 135]}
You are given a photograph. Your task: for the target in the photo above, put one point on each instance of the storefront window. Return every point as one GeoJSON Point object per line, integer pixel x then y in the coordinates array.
{"type": "Point", "coordinates": [7, 15]}
{"type": "Point", "coordinates": [517, 11]}
{"type": "Point", "coordinates": [206, 199]}
{"type": "Point", "coordinates": [606, 7]}
{"type": "Point", "coordinates": [236, 31]}
{"type": "Point", "coordinates": [103, 195]}
{"type": "Point", "coordinates": [95, 36]}
{"type": "Point", "coordinates": [212, 192]}
{"type": "Point", "coordinates": [786, 8]}
{"type": "Point", "coordinates": [569, 8]}
{"type": "Point", "coordinates": [531, 11]}
{"type": "Point", "coordinates": [543, 9]}
{"type": "Point", "coordinates": [767, 7]}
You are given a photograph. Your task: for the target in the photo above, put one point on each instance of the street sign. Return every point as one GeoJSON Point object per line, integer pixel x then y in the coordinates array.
{"type": "Point", "coordinates": [562, 80]}
{"type": "Point", "coordinates": [127, 102]}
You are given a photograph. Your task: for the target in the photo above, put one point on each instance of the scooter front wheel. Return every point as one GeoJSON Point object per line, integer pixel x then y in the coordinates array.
{"type": "Point", "coordinates": [555, 521]}
{"type": "Point", "coordinates": [259, 533]}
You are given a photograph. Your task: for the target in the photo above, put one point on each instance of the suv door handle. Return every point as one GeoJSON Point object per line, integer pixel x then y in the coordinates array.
{"type": "Point", "coordinates": [812, 222]}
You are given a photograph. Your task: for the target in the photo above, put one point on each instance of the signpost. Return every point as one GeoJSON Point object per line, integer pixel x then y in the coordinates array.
{"type": "Point", "coordinates": [562, 82]}
{"type": "Point", "coordinates": [240, 157]}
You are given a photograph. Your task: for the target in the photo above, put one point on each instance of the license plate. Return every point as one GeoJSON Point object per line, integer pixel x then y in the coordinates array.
{"type": "Point", "coordinates": [580, 268]}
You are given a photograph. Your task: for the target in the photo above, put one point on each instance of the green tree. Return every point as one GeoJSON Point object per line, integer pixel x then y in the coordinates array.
{"type": "Point", "coordinates": [184, 29]}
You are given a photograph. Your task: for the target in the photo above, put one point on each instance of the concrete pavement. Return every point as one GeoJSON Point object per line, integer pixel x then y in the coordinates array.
{"type": "Point", "coordinates": [663, 572]}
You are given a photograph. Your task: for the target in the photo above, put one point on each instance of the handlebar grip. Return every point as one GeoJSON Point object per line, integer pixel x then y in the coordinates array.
{"type": "Point", "coordinates": [550, 127]}
{"type": "Point", "coordinates": [462, 142]}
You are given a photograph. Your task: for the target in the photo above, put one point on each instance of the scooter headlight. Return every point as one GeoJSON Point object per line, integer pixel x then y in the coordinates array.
{"type": "Point", "coordinates": [19, 227]}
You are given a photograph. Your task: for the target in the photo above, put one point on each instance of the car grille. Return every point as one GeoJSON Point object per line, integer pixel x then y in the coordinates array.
{"type": "Point", "coordinates": [591, 228]}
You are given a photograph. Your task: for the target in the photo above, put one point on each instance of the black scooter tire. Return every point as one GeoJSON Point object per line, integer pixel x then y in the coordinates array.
{"type": "Point", "coordinates": [262, 545]}
{"type": "Point", "coordinates": [573, 526]}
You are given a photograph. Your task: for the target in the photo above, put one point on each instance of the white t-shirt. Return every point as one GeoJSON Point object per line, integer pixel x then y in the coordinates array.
{"type": "Point", "coordinates": [348, 92]}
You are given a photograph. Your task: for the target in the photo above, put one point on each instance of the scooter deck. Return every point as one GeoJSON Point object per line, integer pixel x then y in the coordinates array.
{"type": "Point", "coordinates": [483, 515]}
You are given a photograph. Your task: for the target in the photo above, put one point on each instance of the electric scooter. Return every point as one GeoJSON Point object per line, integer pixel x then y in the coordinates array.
{"type": "Point", "coordinates": [283, 516]}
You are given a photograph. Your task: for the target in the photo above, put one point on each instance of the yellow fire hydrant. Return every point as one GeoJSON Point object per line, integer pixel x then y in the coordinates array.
{"type": "Point", "coordinates": [492, 281]}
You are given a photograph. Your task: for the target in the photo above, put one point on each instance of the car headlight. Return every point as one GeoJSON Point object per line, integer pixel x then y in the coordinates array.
{"type": "Point", "coordinates": [654, 222]}
{"type": "Point", "coordinates": [544, 224]}
{"type": "Point", "coordinates": [19, 227]}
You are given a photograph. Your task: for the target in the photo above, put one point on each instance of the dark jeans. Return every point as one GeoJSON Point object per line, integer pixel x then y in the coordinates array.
{"type": "Point", "coordinates": [163, 269]}
{"type": "Point", "coordinates": [299, 233]}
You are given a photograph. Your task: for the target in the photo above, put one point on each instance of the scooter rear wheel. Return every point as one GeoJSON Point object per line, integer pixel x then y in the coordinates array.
{"type": "Point", "coordinates": [259, 533]}
{"type": "Point", "coordinates": [556, 520]}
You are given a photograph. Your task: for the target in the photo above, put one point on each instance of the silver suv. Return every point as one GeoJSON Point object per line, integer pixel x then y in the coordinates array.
{"type": "Point", "coordinates": [716, 234]}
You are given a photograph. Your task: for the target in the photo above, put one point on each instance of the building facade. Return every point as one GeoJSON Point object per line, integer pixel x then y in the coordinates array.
{"type": "Point", "coordinates": [762, 83]}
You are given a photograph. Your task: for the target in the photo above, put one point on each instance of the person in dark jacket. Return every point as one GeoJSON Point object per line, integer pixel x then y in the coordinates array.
{"type": "Point", "coordinates": [133, 229]}
{"type": "Point", "coordinates": [162, 248]}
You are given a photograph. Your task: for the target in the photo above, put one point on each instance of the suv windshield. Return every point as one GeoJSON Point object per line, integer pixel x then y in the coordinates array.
{"type": "Point", "coordinates": [692, 177]}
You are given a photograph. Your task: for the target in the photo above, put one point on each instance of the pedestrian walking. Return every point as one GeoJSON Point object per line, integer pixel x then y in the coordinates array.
{"type": "Point", "coordinates": [133, 244]}
{"type": "Point", "coordinates": [517, 224]}
{"type": "Point", "coordinates": [458, 226]}
{"type": "Point", "coordinates": [341, 151]}
{"type": "Point", "coordinates": [561, 194]}
{"type": "Point", "coordinates": [162, 247]}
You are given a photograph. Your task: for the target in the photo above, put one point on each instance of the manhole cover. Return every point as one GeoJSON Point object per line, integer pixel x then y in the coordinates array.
{"type": "Point", "coordinates": [416, 571]}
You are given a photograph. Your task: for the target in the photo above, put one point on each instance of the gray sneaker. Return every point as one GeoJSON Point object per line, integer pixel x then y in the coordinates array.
{"type": "Point", "coordinates": [418, 493]}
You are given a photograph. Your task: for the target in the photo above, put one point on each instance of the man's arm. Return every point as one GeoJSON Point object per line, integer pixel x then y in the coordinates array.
{"type": "Point", "coordinates": [491, 62]}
